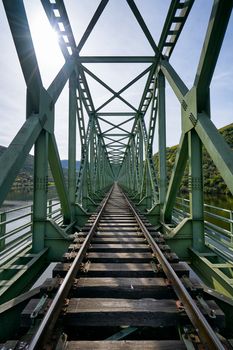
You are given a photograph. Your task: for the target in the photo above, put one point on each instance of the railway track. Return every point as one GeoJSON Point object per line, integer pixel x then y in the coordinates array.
{"type": "Point", "coordinates": [119, 286]}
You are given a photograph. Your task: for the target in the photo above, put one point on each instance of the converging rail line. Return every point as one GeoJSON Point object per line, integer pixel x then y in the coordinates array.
{"type": "Point", "coordinates": [120, 280]}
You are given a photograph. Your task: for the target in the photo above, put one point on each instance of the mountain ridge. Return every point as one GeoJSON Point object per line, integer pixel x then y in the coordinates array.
{"type": "Point", "coordinates": [64, 163]}
{"type": "Point", "coordinates": [212, 180]}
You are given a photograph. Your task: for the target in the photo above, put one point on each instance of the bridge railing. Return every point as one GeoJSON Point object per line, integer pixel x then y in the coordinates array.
{"type": "Point", "coordinates": [16, 227]}
{"type": "Point", "coordinates": [218, 222]}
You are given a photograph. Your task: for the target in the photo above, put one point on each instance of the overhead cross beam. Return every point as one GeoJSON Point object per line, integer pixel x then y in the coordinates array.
{"type": "Point", "coordinates": [124, 88]}
{"type": "Point", "coordinates": [143, 25]}
{"type": "Point", "coordinates": [92, 24]}
{"type": "Point", "coordinates": [115, 94]}
{"type": "Point", "coordinates": [115, 59]}
{"type": "Point", "coordinates": [118, 126]}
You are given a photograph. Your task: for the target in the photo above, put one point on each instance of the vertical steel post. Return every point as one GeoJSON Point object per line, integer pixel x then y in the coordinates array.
{"type": "Point", "coordinates": [50, 209]}
{"type": "Point", "coordinates": [94, 165]}
{"type": "Point", "coordinates": [162, 138]}
{"type": "Point", "coordinates": [133, 164]}
{"type": "Point", "coordinates": [141, 158]}
{"type": "Point", "coordinates": [40, 191]}
{"type": "Point", "coordinates": [103, 169]}
{"type": "Point", "coordinates": [131, 170]}
{"type": "Point", "coordinates": [101, 165]}
{"type": "Point", "coordinates": [137, 163]}
{"type": "Point", "coordinates": [72, 142]}
{"type": "Point", "coordinates": [196, 190]}
{"type": "Point", "coordinates": [2, 230]}
{"type": "Point", "coordinates": [98, 164]}
{"type": "Point", "coordinates": [231, 226]}
{"type": "Point", "coordinates": [148, 186]}
{"type": "Point", "coordinates": [92, 154]}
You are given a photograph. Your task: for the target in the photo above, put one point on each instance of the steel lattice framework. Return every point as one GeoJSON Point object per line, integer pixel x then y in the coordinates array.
{"type": "Point", "coordinates": [116, 154]}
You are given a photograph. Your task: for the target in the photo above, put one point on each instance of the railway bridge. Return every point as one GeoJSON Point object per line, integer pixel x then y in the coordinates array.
{"type": "Point", "coordinates": [136, 266]}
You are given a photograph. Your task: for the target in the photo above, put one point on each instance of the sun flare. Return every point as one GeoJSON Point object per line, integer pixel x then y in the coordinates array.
{"type": "Point", "coordinates": [47, 49]}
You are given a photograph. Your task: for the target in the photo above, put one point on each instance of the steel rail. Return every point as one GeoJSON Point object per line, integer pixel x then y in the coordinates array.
{"type": "Point", "coordinates": [53, 312]}
{"type": "Point", "coordinates": [204, 330]}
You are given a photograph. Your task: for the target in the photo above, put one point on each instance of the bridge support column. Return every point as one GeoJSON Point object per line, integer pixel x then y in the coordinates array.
{"type": "Point", "coordinates": [72, 143]}
{"type": "Point", "coordinates": [162, 139]}
{"type": "Point", "coordinates": [196, 190]}
{"type": "Point", "coordinates": [40, 191]}
{"type": "Point", "coordinates": [134, 173]}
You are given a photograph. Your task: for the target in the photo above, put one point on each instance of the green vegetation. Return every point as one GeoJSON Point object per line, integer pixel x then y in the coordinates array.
{"type": "Point", "coordinates": [213, 182]}
{"type": "Point", "coordinates": [24, 179]}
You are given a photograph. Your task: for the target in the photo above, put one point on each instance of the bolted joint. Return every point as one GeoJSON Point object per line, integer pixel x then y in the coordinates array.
{"type": "Point", "coordinates": [195, 183]}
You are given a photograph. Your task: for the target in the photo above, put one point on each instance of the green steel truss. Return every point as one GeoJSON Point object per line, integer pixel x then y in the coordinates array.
{"type": "Point", "coordinates": [117, 154]}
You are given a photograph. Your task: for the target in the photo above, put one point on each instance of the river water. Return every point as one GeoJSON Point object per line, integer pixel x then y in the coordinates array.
{"type": "Point", "coordinates": [19, 199]}
{"type": "Point", "coordinates": [218, 201]}
{"type": "Point", "coordinates": [20, 217]}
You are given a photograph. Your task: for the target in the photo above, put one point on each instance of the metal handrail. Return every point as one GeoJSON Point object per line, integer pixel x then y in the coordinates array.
{"type": "Point", "coordinates": [9, 236]}
{"type": "Point", "coordinates": [224, 234]}
{"type": "Point", "coordinates": [15, 231]}
{"type": "Point", "coordinates": [205, 205]}
{"type": "Point", "coordinates": [16, 209]}
{"type": "Point", "coordinates": [15, 219]}
{"type": "Point", "coordinates": [218, 217]}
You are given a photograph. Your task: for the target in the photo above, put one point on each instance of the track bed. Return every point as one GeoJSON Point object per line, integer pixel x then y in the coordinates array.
{"type": "Point", "coordinates": [115, 292]}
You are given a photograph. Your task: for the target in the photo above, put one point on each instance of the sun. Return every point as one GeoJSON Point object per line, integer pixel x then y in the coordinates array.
{"type": "Point", "coordinates": [48, 53]}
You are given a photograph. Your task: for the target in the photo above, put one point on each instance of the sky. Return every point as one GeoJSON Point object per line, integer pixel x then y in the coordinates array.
{"type": "Point", "coordinates": [116, 33]}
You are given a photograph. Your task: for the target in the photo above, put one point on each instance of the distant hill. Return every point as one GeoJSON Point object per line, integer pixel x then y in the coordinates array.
{"type": "Point", "coordinates": [64, 163]}
{"type": "Point", "coordinates": [213, 182]}
{"type": "Point", "coordinates": [29, 162]}
{"type": "Point", "coordinates": [24, 180]}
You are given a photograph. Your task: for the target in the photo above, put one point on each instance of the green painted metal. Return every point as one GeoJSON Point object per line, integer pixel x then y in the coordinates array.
{"type": "Point", "coordinates": [20, 30]}
{"type": "Point", "coordinates": [162, 139]}
{"type": "Point", "coordinates": [72, 142]}
{"type": "Point", "coordinates": [117, 154]}
{"type": "Point", "coordinates": [2, 230]}
{"type": "Point", "coordinates": [60, 80]}
{"type": "Point", "coordinates": [40, 192]}
{"type": "Point", "coordinates": [15, 279]}
{"type": "Point", "coordinates": [116, 59]}
{"type": "Point", "coordinates": [216, 272]}
{"type": "Point", "coordinates": [216, 146]}
{"type": "Point", "coordinates": [17, 152]}
{"type": "Point", "coordinates": [177, 173]}
{"type": "Point", "coordinates": [57, 172]}
{"type": "Point", "coordinates": [216, 30]}
{"type": "Point", "coordinates": [196, 190]}
{"type": "Point", "coordinates": [10, 313]}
